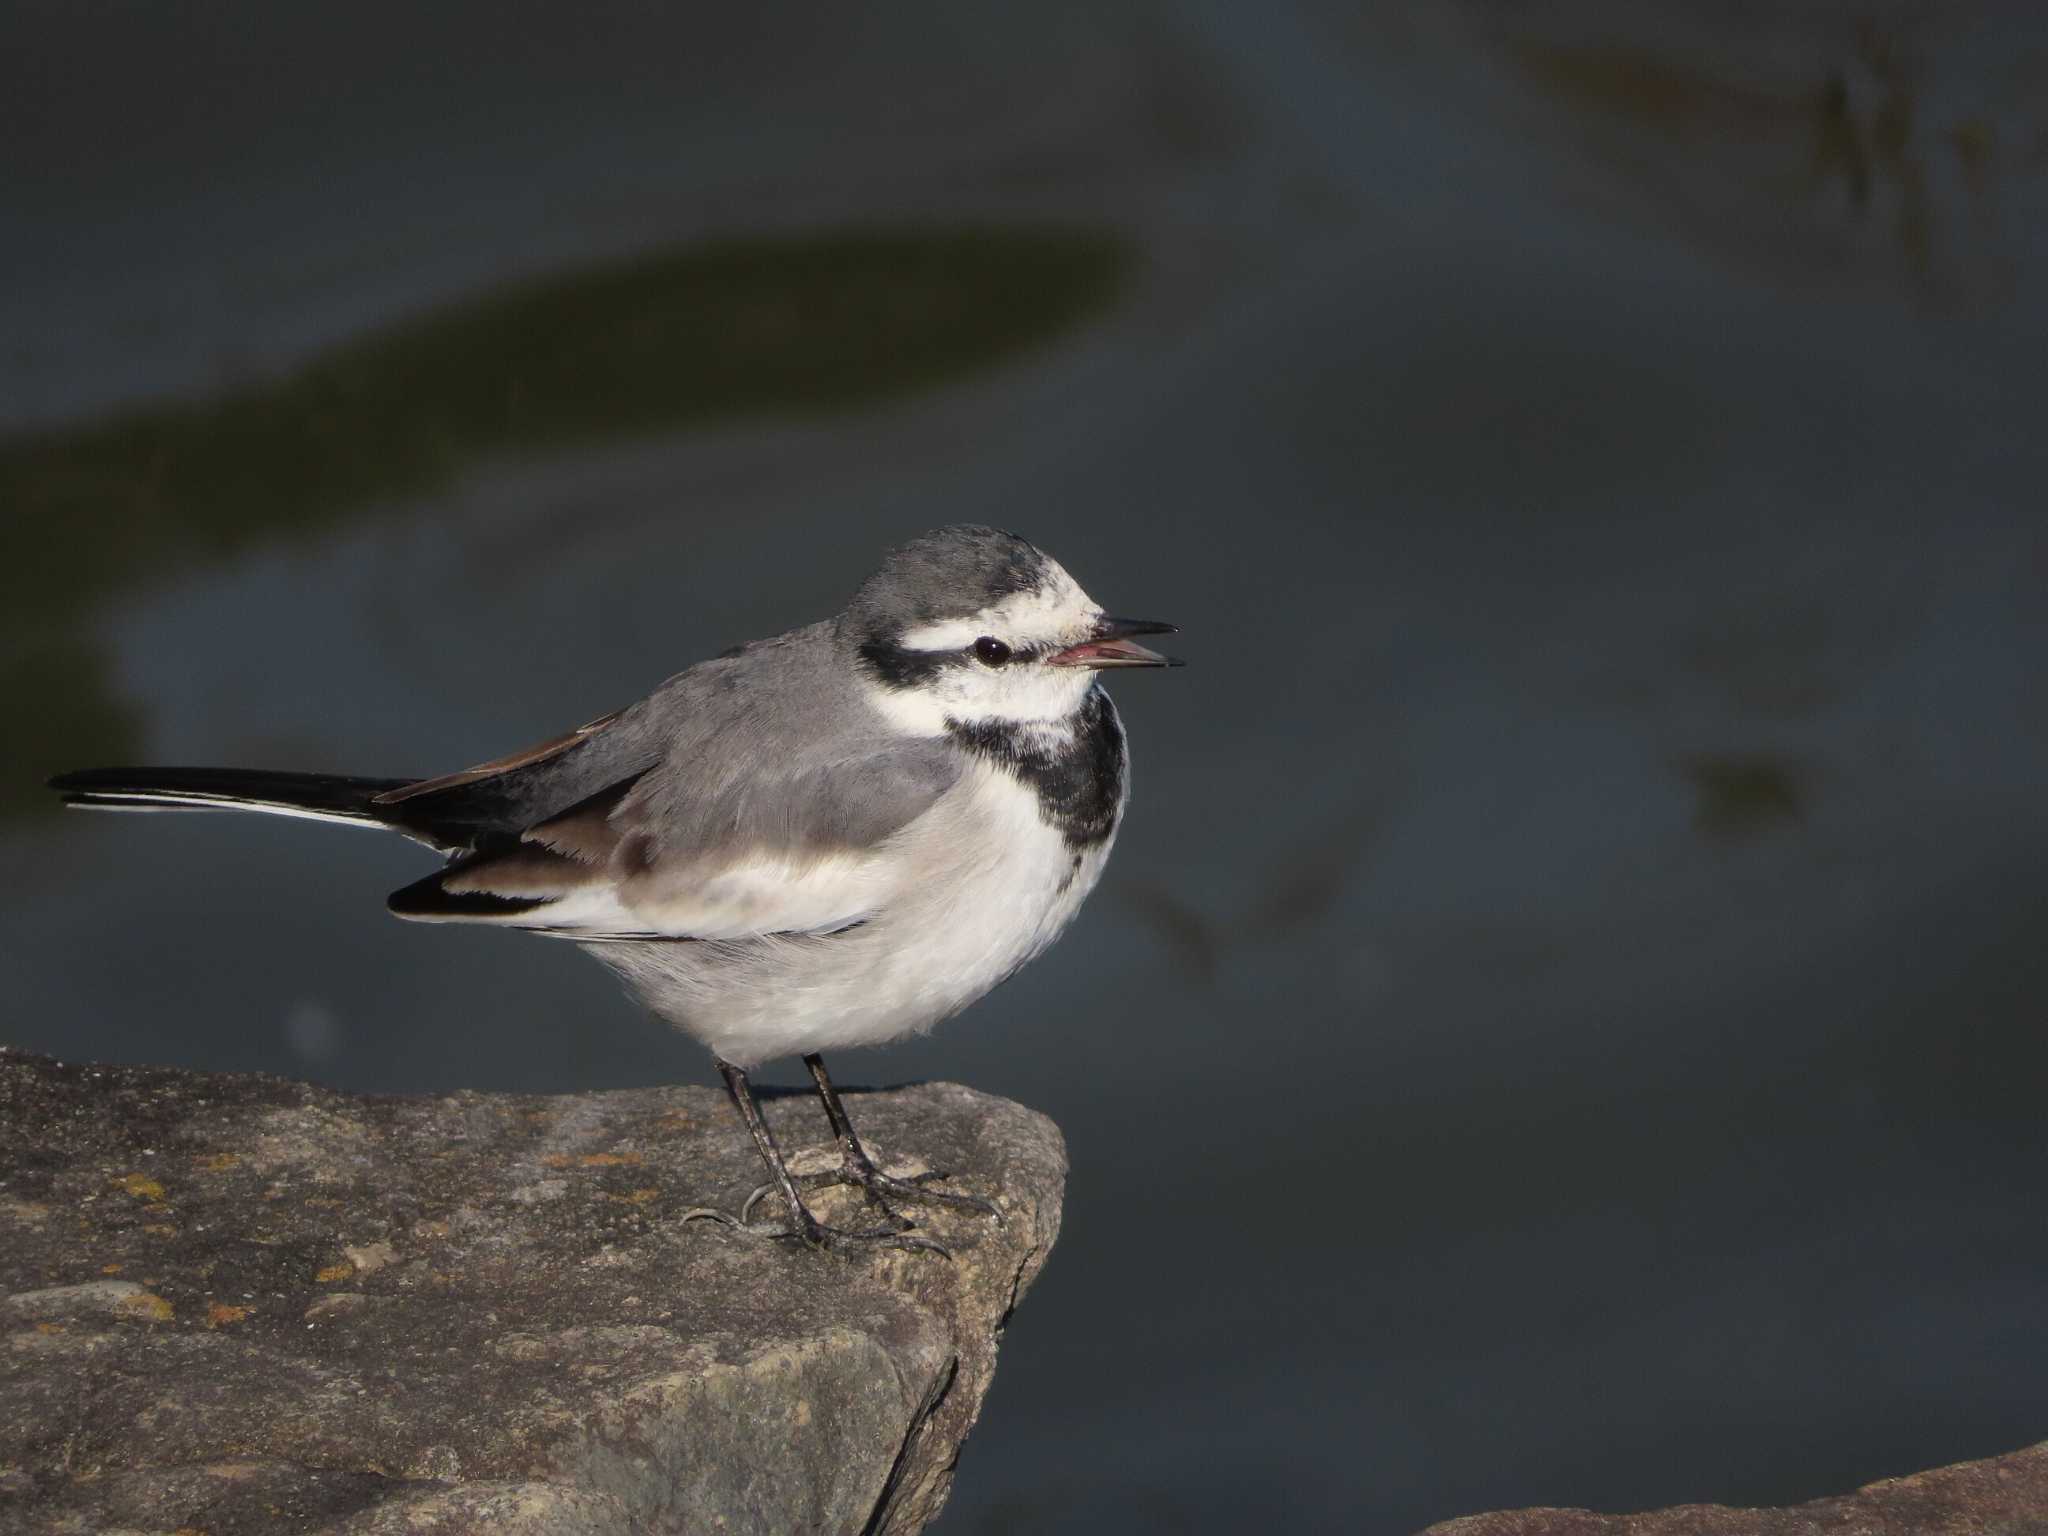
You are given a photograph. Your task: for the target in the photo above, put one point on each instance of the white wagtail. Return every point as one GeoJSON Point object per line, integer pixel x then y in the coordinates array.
{"type": "Point", "coordinates": [839, 836]}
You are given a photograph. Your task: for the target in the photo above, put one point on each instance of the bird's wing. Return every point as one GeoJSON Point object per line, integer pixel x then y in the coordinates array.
{"type": "Point", "coordinates": [460, 812]}
{"type": "Point", "coordinates": [807, 852]}
{"type": "Point", "coordinates": [467, 811]}
{"type": "Point", "coordinates": [773, 806]}
{"type": "Point", "coordinates": [498, 767]}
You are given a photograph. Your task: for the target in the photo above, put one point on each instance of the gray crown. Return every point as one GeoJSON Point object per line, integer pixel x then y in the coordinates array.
{"type": "Point", "coordinates": [949, 573]}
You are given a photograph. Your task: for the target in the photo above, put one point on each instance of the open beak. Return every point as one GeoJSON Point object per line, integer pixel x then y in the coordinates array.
{"type": "Point", "coordinates": [1111, 645]}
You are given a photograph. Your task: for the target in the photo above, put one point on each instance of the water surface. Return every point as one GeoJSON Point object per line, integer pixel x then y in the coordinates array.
{"type": "Point", "coordinates": [1562, 1023]}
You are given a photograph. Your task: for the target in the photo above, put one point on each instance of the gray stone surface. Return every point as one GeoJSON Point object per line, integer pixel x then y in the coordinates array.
{"type": "Point", "coordinates": [234, 1303]}
{"type": "Point", "coordinates": [2003, 1496]}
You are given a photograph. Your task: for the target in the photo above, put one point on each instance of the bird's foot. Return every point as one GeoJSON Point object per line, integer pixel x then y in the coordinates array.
{"type": "Point", "coordinates": [813, 1233]}
{"type": "Point", "coordinates": [878, 1186]}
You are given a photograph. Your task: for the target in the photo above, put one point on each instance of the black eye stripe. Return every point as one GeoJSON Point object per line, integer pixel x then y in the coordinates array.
{"type": "Point", "coordinates": [990, 651]}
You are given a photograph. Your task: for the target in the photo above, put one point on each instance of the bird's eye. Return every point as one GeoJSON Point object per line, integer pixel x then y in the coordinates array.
{"type": "Point", "coordinates": [990, 651]}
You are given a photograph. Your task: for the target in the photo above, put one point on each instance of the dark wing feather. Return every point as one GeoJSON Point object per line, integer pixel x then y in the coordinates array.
{"type": "Point", "coordinates": [430, 900]}
{"type": "Point", "coordinates": [527, 757]}
{"type": "Point", "coordinates": [466, 811]}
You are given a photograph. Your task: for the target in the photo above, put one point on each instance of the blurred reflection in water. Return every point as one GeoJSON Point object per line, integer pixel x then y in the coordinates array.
{"type": "Point", "coordinates": [663, 342]}
{"type": "Point", "coordinates": [1563, 1025]}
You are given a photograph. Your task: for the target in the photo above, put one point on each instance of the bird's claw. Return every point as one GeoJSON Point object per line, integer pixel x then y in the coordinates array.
{"type": "Point", "coordinates": [738, 1223]}
{"type": "Point", "coordinates": [876, 1184]}
{"type": "Point", "coordinates": [816, 1181]}
{"type": "Point", "coordinates": [913, 1187]}
{"type": "Point", "coordinates": [813, 1233]}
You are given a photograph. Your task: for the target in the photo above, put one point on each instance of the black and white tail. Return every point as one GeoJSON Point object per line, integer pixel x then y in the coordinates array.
{"type": "Point", "coordinates": [309, 796]}
{"type": "Point", "coordinates": [488, 806]}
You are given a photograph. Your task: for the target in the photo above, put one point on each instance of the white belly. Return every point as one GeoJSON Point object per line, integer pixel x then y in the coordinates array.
{"type": "Point", "coordinates": [985, 884]}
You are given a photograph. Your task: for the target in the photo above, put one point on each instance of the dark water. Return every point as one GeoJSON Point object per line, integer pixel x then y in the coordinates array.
{"type": "Point", "coordinates": [1564, 1021]}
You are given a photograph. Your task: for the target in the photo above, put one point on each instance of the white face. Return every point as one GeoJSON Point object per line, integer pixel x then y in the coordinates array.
{"type": "Point", "coordinates": [1022, 690]}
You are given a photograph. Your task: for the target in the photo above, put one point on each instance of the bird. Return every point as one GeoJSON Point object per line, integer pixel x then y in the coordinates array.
{"type": "Point", "coordinates": [838, 836]}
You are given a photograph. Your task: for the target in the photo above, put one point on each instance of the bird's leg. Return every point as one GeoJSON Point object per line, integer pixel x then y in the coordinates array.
{"type": "Point", "coordinates": [856, 1167]}
{"type": "Point", "coordinates": [805, 1227]}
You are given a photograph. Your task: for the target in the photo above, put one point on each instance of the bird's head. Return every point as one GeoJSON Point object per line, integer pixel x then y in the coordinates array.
{"type": "Point", "coordinates": [970, 625]}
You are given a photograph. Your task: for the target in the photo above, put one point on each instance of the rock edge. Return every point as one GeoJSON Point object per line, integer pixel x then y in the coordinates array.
{"type": "Point", "coordinates": [235, 1303]}
{"type": "Point", "coordinates": [2001, 1496]}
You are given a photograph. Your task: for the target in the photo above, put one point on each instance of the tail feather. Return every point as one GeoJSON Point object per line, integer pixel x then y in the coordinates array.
{"type": "Point", "coordinates": [453, 814]}
{"type": "Point", "coordinates": [315, 796]}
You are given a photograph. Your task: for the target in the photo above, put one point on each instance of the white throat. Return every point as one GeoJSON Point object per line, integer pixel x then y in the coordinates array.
{"type": "Point", "coordinates": [1041, 699]}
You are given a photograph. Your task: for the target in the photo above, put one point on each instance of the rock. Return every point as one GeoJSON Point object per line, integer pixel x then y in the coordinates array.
{"type": "Point", "coordinates": [2007, 1494]}
{"type": "Point", "coordinates": [233, 1303]}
